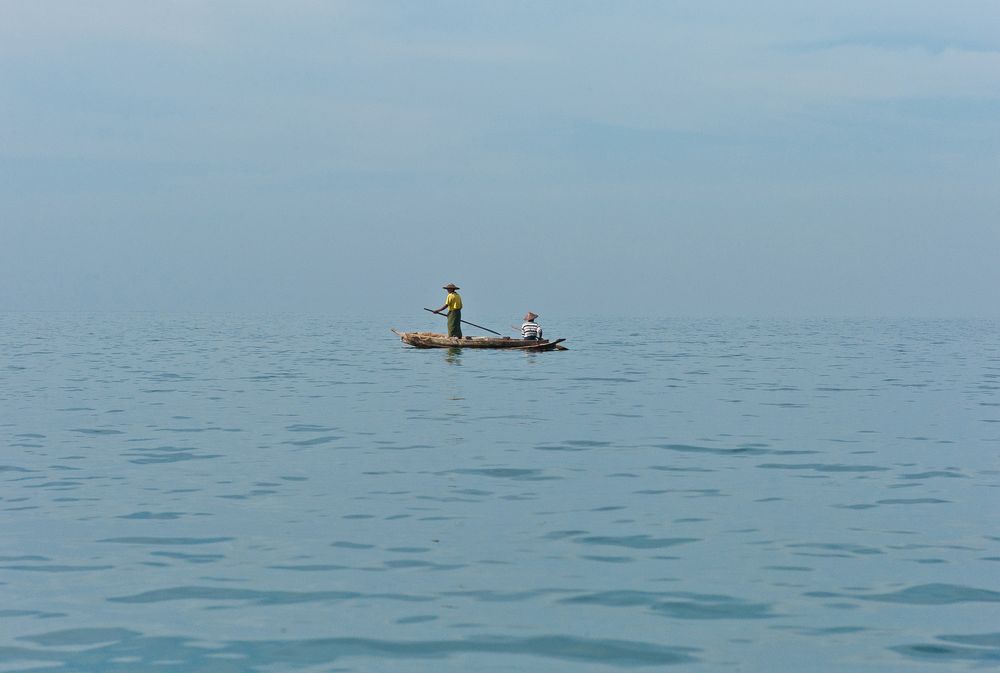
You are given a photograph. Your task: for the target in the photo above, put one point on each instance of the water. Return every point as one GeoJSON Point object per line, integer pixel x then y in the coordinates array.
{"type": "Point", "coordinates": [231, 493]}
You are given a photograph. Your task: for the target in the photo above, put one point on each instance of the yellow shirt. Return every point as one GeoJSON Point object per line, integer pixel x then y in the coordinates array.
{"type": "Point", "coordinates": [453, 302]}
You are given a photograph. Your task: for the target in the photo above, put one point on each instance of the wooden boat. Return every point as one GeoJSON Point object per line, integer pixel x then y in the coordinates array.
{"type": "Point", "coordinates": [434, 340]}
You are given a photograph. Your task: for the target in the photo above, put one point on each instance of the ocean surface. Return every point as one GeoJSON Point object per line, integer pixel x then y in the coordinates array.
{"type": "Point", "coordinates": [226, 493]}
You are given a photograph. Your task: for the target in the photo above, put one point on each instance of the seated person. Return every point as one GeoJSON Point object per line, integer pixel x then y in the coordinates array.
{"type": "Point", "coordinates": [530, 329]}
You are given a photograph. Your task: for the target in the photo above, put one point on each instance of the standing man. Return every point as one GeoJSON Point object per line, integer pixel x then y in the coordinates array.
{"type": "Point", "coordinates": [453, 302]}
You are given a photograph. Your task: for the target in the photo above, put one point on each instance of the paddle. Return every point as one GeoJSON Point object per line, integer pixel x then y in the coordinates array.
{"type": "Point", "coordinates": [468, 323]}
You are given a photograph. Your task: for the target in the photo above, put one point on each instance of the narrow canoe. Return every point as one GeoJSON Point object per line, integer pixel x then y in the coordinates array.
{"type": "Point", "coordinates": [434, 340]}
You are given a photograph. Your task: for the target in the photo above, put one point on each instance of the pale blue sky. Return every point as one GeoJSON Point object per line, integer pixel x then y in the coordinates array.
{"type": "Point", "coordinates": [630, 158]}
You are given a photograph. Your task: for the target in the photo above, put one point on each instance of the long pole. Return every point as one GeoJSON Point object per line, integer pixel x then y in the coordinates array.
{"type": "Point", "coordinates": [468, 323]}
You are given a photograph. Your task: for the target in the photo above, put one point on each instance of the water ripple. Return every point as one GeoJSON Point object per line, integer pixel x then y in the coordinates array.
{"type": "Point", "coordinates": [635, 541]}
{"type": "Point", "coordinates": [843, 550]}
{"type": "Point", "coordinates": [57, 568]}
{"type": "Point", "coordinates": [258, 597]}
{"type": "Point", "coordinates": [167, 540]}
{"type": "Point", "coordinates": [926, 594]}
{"type": "Point", "coordinates": [821, 467]}
{"type": "Point", "coordinates": [734, 451]}
{"type": "Point", "coordinates": [142, 652]}
{"type": "Point", "coordinates": [984, 648]}
{"type": "Point", "coordinates": [516, 474]}
{"type": "Point", "coordinates": [315, 441]}
{"type": "Point", "coordinates": [679, 605]}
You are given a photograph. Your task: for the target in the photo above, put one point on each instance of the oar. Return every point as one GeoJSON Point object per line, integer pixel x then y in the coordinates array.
{"type": "Point", "coordinates": [469, 323]}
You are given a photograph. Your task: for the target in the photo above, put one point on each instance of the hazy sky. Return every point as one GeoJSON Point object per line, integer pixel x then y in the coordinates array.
{"type": "Point", "coordinates": [776, 157]}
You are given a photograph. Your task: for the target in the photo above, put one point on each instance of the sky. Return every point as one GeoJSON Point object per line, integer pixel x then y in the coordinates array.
{"type": "Point", "coordinates": [574, 158]}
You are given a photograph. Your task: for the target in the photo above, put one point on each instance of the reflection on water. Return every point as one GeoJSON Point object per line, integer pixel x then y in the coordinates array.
{"type": "Point", "coordinates": [225, 493]}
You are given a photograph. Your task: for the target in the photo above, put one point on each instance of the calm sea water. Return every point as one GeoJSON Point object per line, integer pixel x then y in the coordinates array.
{"type": "Point", "coordinates": [233, 494]}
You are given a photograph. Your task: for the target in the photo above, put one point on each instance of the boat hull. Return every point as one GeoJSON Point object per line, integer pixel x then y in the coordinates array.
{"type": "Point", "coordinates": [434, 340]}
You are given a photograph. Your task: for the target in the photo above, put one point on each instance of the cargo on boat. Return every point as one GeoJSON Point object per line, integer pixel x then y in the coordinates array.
{"type": "Point", "coordinates": [434, 340]}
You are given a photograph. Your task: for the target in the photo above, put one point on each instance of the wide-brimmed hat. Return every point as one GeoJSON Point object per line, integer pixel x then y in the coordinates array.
{"type": "Point", "coordinates": [530, 316]}
{"type": "Point", "coordinates": [451, 286]}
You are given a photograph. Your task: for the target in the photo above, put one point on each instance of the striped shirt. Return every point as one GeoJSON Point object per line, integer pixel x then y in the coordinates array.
{"type": "Point", "coordinates": [530, 330]}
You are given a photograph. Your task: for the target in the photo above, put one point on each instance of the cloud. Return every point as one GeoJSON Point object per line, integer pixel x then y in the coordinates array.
{"type": "Point", "coordinates": [865, 71]}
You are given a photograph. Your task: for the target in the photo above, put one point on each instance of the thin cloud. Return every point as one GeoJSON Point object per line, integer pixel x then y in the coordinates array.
{"type": "Point", "coordinates": [932, 44]}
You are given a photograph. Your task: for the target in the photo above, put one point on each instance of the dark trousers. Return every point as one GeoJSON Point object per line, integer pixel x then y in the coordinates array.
{"type": "Point", "coordinates": [455, 323]}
